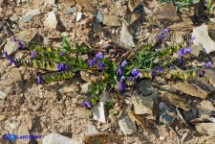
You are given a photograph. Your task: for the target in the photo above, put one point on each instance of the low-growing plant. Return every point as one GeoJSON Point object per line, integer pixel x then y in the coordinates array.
{"type": "Point", "coordinates": [147, 62]}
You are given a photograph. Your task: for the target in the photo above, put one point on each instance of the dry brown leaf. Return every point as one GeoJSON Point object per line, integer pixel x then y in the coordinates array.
{"type": "Point", "coordinates": [103, 139]}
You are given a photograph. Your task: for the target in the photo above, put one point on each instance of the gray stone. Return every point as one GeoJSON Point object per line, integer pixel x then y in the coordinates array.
{"type": "Point", "coordinates": [99, 17]}
{"type": "Point", "coordinates": [69, 10]}
{"type": "Point", "coordinates": [10, 46]}
{"type": "Point", "coordinates": [99, 112]}
{"type": "Point", "coordinates": [82, 112]}
{"type": "Point", "coordinates": [91, 130]}
{"type": "Point", "coordinates": [27, 35]}
{"type": "Point", "coordinates": [202, 38]}
{"type": "Point", "coordinates": [55, 138]}
{"type": "Point", "coordinates": [27, 18]}
{"type": "Point", "coordinates": [29, 15]}
{"type": "Point", "coordinates": [125, 37]}
{"type": "Point", "coordinates": [50, 21]}
{"type": "Point", "coordinates": [167, 118]}
{"type": "Point", "coordinates": [78, 16]}
{"type": "Point", "coordinates": [145, 87]}
{"type": "Point", "coordinates": [2, 95]}
{"type": "Point", "coordinates": [85, 87]}
{"type": "Point", "coordinates": [127, 126]}
{"type": "Point", "coordinates": [206, 128]}
{"type": "Point", "coordinates": [143, 105]}
{"type": "Point", "coordinates": [14, 18]}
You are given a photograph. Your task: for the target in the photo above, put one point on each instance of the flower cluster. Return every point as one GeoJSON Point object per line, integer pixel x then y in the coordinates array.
{"type": "Point", "coordinates": [98, 61]}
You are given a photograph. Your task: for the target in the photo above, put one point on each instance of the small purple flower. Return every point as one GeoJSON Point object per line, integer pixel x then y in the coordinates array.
{"type": "Point", "coordinates": [131, 79]}
{"type": "Point", "coordinates": [181, 62]}
{"type": "Point", "coordinates": [135, 72]}
{"type": "Point", "coordinates": [165, 30]}
{"type": "Point", "coordinates": [201, 73]}
{"type": "Point", "coordinates": [99, 55]}
{"type": "Point", "coordinates": [162, 35]}
{"type": "Point", "coordinates": [187, 50]}
{"type": "Point", "coordinates": [21, 46]}
{"type": "Point", "coordinates": [87, 104]}
{"type": "Point", "coordinates": [7, 57]}
{"type": "Point", "coordinates": [91, 63]}
{"type": "Point", "coordinates": [181, 52]}
{"type": "Point", "coordinates": [122, 84]}
{"type": "Point", "coordinates": [33, 54]}
{"type": "Point", "coordinates": [14, 39]}
{"type": "Point", "coordinates": [100, 65]}
{"type": "Point", "coordinates": [62, 67]}
{"type": "Point", "coordinates": [62, 53]}
{"type": "Point", "coordinates": [122, 87]}
{"type": "Point", "coordinates": [193, 38]}
{"type": "Point", "coordinates": [153, 73]}
{"type": "Point", "coordinates": [171, 68]}
{"type": "Point", "coordinates": [208, 64]}
{"type": "Point", "coordinates": [119, 71]}
{"type": "Point", "coordinates": [124, 63]}
{"type": "Point", "coordinates": [160, 69]}
{"type": "Point", "coordinates": [39, 80]}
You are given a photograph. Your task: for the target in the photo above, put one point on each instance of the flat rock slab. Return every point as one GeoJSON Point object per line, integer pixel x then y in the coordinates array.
{"type": "Point", "coordinates": [111, 20]}
{"type": "Point", "coordinates": [175, 100]}
{"type": "Point", "coordinates": [50, 21]}
{"type": "Point", "coordinates": [99, 112]}
{"type": "Point", "coordinates": [197, 88]}
{"type": "Point", "coordinates": [127, 126]}
{"type": "Point", "coordinates": [166, 12]}
{"type": "Point", "coordinates": [206, 128]}
{"type": "Point", "coordinates": [202, 38]}
{"type": "Point", "coordinates": [143, 105]}
{"type": "Point", "coordinates": [125, 37]}
{"type": "Point", "coordinates": [55, 138]}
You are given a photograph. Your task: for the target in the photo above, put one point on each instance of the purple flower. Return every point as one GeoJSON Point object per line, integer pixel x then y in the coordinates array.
{"type": "Point", "coordinates": [181, 62]}
{"type": "Point", "coordinates": [181, 52]}
{"type": "Point", "coordinates": [119, 71]}
{"type": "Point", "coordinates": [131, 79]}
{"type": "Point", "coordinates": [21, 46]}
{"type": "Point", "coordinates": [39, 80]}
{"type": "Point", "coordinates": [171, 68]}
{"type": "Point", "coordinates": [14, 39]}
{"type": "Point", "coordinates": [122, 79]}
{"type": "Point", "coordinates": [122, 87]}
{"type": "Point", "coordinates": [135, 72]}
{"type": "Point", "coordinates": [160, 69]}
{"type": "Point", "coordinates": [201, 73]}
{"type": "Point", "coordinates": [91, 63]}
{"type": "Point", "coordinates": [193, 38]}
{"type": "Point", "coordinates": [33, 54]}
{"type": "Point", "coordinates": [100, 65]}
{"type": "Point", "coordinates": [153, 73]}
{"type": "Point", "coordinates": [187, 50]}
{"type": "Point", "coordinates": [62, 67]}
{"type": "Point", "coordinates": [87, 104]}
{"type": "Point", "coordinates": [6, 56]}
{"type": "Point", "coordinates": [208, 64]}
{"type": "Point", "coordinates": [122, 84]}
{"type": "Point", "coordinates": [162, 35]}
{"type": "Point", "coordinates": [99, 55]}
{"type": "Point", "coordinates": [124, 63]}
{"type": "Point", "coordinates": [62, 53]}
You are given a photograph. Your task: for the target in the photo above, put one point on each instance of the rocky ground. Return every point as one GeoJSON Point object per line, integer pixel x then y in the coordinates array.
{"type": "Point", "coordinates": [54, 110]}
